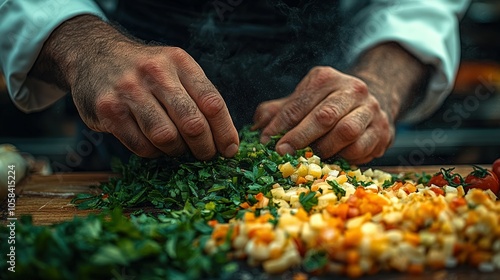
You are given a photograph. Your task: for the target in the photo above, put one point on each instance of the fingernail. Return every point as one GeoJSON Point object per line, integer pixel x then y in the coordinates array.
{"type": "Point", "coordinates": [231, 150]}
{"type": "Point", "coordinates": [285, 149]}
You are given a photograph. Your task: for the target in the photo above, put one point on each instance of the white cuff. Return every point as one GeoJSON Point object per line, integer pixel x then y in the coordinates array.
{"type": "Point", "coordinates": [25, 27]}
{"type": "Point", "coordinates": [428, 30]}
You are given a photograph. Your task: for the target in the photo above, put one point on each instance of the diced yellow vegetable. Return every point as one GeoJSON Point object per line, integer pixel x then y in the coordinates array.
{"type": "Point", "coordinates": [286, 169]}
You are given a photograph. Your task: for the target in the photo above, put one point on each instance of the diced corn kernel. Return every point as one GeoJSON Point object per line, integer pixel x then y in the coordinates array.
{"type": "Point", "coordinates": [278, 193]}
{"type": "Point", "coordinates": [302, 170]}
{"type": "Point", "coordinates": [286, 169]}
{"type": "Point", "coordinates": [315, 170]}
{"type": "Point", "coordinates": [327, 199]}
{"type": "Point", "coordinates": [314, 160]}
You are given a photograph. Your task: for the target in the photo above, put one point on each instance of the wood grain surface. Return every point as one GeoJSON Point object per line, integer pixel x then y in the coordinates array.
{"type": "Point", "coordinates": [47, 198]}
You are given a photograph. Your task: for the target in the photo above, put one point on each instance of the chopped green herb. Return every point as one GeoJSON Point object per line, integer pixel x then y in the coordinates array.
{"type": "Point", "coordinates": [308, 201]}
{"type": "Point", "coordinates": [337, 188]}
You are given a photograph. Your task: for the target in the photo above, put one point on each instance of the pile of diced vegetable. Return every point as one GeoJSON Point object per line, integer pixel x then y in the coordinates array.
{"type": "Point", "coordinates": [366, 227]}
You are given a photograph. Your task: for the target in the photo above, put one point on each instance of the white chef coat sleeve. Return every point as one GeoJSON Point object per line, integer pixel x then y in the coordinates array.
{"type": "Point", "coordinates": [25, 27]}
{"type": "Point", "coordinates": [427, 29]}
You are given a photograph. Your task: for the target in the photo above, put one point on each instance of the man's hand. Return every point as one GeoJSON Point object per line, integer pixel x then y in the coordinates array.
{"type": "Point", "coordinates": [349, 115]}
{"type": "Point", "coordinates": [334, 111]}
{"type": "Point", "coordinates": [155, 100]}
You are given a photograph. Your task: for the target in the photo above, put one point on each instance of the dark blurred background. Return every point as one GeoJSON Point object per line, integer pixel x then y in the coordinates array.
{"type": "Point", "coordinates": [466, 130]}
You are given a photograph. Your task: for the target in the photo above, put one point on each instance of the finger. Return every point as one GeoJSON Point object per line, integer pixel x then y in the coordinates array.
{"type": "Point", "coordinates": [189, 120]}
{"type": "Point", "coordinates": [213, 108]}
{"type": "Point", "coordinates": [158, 128]}
{"type": "Point", "coordinates": [323, 119]}
{"type": "Point", "coordinates": [186, 117]}
{"type": "Point", "coordinates": [149, 115]}
{"type": "Point", "coordinates": [363, 147]}
{"type": "Point", "coordinates": [265, 113]}
{"type": "Point", "coordinates": [114, 116]}
{"type": "Point", "coordinates": [318, 83]}
{"type": "Point", "coordinates": [133, 138]}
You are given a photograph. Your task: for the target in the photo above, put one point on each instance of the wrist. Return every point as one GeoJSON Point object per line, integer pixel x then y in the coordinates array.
{"type": "Point", "coordinates": [72, 47]}
{"type": "Point", "coordinates": [393, 76]}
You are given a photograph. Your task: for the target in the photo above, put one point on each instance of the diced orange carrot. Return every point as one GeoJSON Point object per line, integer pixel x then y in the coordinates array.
{"type": "Point", "coordinates": [220, 233]}
{"type": "Point", "coordinates": [249, 216]}
{"type": "Point", "coordinates": [212, 223]}
{"type": "Point", "coordinates": [377, 199]}
{"type": "Point", "coordinates": [353, 201]}
{"type": "Point", "coordinates": [353, 212]}
{"type": "Point", "coordinates": [302, 214]}
{"type": "Point", "coordinates": [352, 237]}
{"type": "Point", "coordinates": [308, 154]}
{"type": "Point", "coordinates": [457, 202]}
{"type": "Point", "coordinates": [259, 196]}
{"type": "Point", "coordinates": [245, 205]}
{"type": "Point", "coordinates": [301, 180]}
{"type": "Point", "coordinates": [360, 192]}
{"type": "Point", "coordinates": [368, 207]}
{"type": "Point", "coordinates": [264, 235]}
{"type": "Point", "coordinates": [437, 190]}
{"type": "Point", "coordinates": [409, 188]}
{"type": "Point", "coordinates": [264, 218]}
{"type": "Point", "coordinates": [396, 186]}
{"type": "Point", "coordinates": [263, 202]}
{"type": "Point", "coordinates": [335, 222]}
{"type": "Point", "coordinates": [342, 210]}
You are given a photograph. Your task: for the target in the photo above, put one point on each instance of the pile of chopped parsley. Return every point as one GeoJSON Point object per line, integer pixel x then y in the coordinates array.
{"type": "Point", "coordinates": [130, 241]}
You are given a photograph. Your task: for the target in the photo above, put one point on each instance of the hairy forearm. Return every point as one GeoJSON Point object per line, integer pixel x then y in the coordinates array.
{"type": "Point", "coordinates": [393, 75]}
{"type": "Point", "coordinates": [72, 46]}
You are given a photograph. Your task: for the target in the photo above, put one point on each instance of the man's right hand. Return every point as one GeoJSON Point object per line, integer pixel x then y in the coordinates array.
{"type": "Point", "coordinates": [154, 99]}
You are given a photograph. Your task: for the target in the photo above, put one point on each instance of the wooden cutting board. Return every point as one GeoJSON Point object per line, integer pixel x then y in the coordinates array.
{"type": "Point", "coordinates": [47, 198]}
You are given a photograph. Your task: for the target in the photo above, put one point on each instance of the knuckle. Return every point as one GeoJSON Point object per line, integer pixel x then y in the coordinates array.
{"type": "Point", "coordinates": [212, 103]}
{"type": "Point", "coordinates": [359, 86]}
{"type": "Point", "coordinates": [179, 56]}
{"type": "Point", "coordinates": [327, 115]}
{"type": "Point", "coordinates": [194, 127]}
{"type": "Point", "coordinates": [151, 68]}
{"type": "Point", "coordinates": [109, 107]}
{"type": "Point", "coordinates": [163, 136]}
{"type": "Point", "coordinates": [127, 84]}
{"type": "Point", "coordinates": [323, 75]}
{"type": "Point", "coordinates": [292, 113]}
{"type": "Point", "coordinates": [349, 131]}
